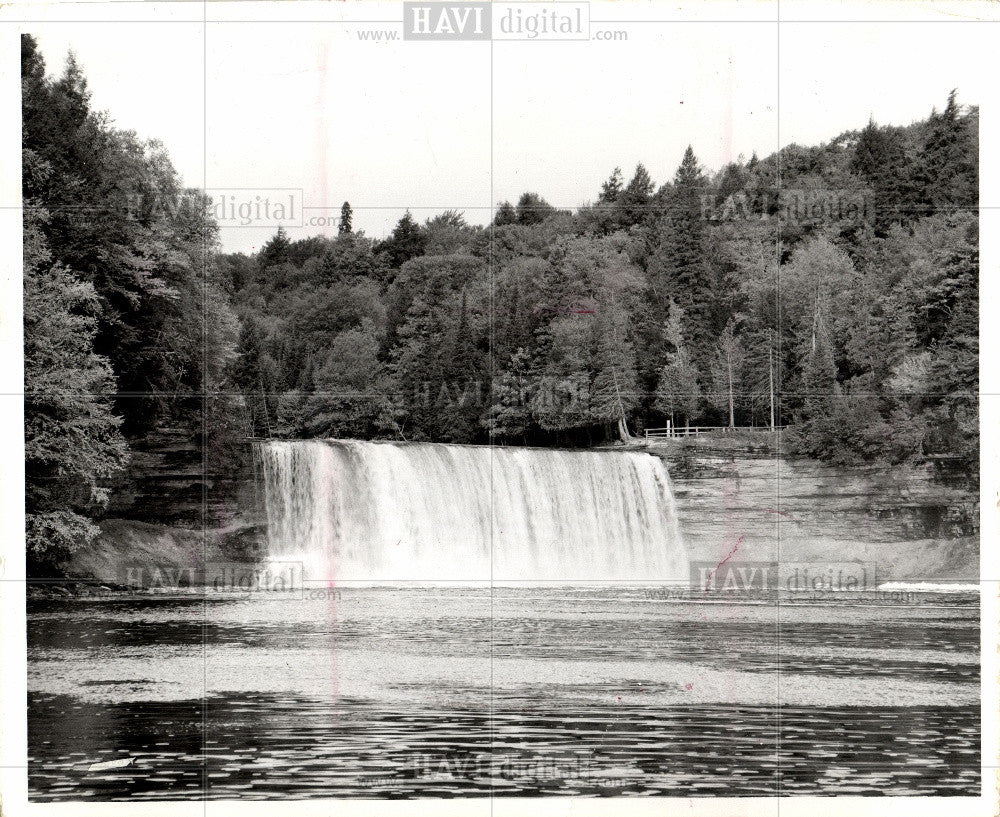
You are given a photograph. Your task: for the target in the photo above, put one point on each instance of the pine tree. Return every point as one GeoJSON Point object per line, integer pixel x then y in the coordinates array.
{"type": "Point", "coordinates": [417, 369]}
{"type": "Point", "coordinates": [880, 158]}
{"type": "Point", "coordinates": [948, 164]}
{"type": "Point", "coordinates": [462, 360]}
{"type": "Point", "coordinates": [276, 251]}
{"type": "Point", "coordinates": [678, 269]}
{"type": "Point", "coordinates": [346, 219]}
{"type": "Point", "coordinates": [817, 427]}
{"type": "Point", "coordinates": [635, 200]}
{"type": "Point", "coordinates": [407, 241]}
{"type": "Point", "coordinates": [612, 188]}
{"type": "Point", "coordinates": [464, 379]}
{"type": "Point", "coordinates": [253, 375]}
{"type": "Point", "coordinates": [689, 175]}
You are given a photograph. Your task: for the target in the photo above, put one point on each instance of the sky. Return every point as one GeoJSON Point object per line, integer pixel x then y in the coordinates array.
{"type": "Point", "coordinates": [434, 126]}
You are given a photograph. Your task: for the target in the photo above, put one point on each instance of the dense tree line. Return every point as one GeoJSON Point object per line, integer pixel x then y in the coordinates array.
{"type": "Point", "coordinates": [831, 289]}
{"type": "Point", "coordinates": [126, 325]}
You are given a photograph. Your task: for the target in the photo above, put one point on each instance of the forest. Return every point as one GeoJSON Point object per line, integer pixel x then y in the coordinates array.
{"type": "Point", "coordinates": [832, 290]}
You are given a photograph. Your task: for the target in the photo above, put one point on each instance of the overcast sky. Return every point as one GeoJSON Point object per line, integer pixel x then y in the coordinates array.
{"type": "Point", "coordinates": [429, 126]}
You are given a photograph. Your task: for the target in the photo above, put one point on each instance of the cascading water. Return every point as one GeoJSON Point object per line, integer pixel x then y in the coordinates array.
{"type": "Point", "coordinates": [384, 512]}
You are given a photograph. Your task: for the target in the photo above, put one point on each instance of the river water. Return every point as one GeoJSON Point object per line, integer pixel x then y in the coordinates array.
{"type": "Point", "coordinates": [431, 691]}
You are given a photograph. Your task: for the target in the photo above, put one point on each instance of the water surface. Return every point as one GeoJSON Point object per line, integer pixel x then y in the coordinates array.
{"type": "Point", "coordinates": [436, 691]}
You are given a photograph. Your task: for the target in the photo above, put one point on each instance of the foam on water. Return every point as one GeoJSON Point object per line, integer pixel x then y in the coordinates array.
{"type": "Point", "coordinates": [929, 587]}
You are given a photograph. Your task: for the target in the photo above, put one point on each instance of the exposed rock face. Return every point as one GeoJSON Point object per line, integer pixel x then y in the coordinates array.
{"type": "Point", "coordinates": [164, 483]}
{"type": "Point", "coordinates": [765, 507]}
{"type": "Point", "coordinates": [770, 508]}
{"type": "Point", "coordinates": [173, 510]}
{"type": "Point", "coordinates": [168, 482]}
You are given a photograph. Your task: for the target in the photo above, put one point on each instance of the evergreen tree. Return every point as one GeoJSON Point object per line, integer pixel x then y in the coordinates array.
{"type": "Point", "coordinates": [407, 241]}
{"type": "Point", "coordinates": [607, 212]}
{"type": "Point", "coordinates": [276, 251]}
{"type": "Point", "coordinates": [880, 158]}
{"type": "Point", "coordinates": [346, 219]}
{"type": "Point", "coordinates": [417, 369]}
{"type": "Point", "coordinates": [635, 200]}
{"type": "Point", "coordinates": [818, 432]}
{"type": "Point", "coordinates": [948, 168]}
{"type": "Point", "coordinates": [678, 269]}
{"type": "Point", "coordinates": [254, 374]}
{"type": "Point", "coordinates": [612, 188]}
{"type": "Point", "coordinates": [465, 377]}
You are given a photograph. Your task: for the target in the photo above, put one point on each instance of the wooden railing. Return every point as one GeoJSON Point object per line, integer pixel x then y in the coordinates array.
{"type": "Point", "coordinates": [673, 432]}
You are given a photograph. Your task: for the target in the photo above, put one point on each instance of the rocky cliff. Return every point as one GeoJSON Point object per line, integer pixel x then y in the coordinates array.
{"type": "Point", "coordinates": [910, 524]}
{"type": "Point", "coordinates": [740, 501]}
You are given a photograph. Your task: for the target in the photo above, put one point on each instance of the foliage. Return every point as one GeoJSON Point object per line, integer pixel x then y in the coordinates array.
{"type": "Point", "coordinates": [708, 300]}
{"type": "Point", "coordinates": [711, 299]}
{"type": "Point", "coordinates": [72, 440]}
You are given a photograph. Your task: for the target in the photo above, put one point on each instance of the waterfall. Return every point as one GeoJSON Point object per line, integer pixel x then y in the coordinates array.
{"type": "Point", "coordinates": [384, 512]}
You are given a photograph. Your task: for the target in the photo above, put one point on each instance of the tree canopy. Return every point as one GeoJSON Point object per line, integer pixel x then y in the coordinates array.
{"type": "Point", "coordinates": [842, 279]}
